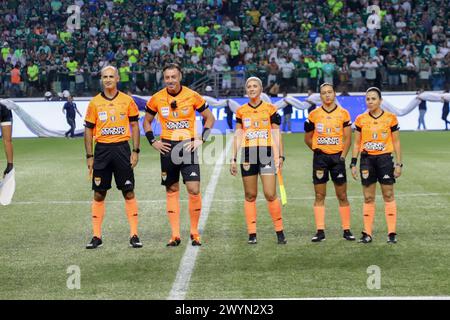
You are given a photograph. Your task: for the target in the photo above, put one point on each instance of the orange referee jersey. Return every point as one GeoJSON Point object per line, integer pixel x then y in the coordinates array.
{"type": "Point", "coordinates": [177, 123]}
{"type": "Point", "coordinates": [376, 133]}
{"type": "Point", "coordinates": [110, 118]}
{"type": "Point", "coordinates": [328, 128]}
{"type": "Point", "coordinates": [257, 123]}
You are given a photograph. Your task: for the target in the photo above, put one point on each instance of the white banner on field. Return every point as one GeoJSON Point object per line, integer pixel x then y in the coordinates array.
{"type": "Point", "coordinates": [46, 119]}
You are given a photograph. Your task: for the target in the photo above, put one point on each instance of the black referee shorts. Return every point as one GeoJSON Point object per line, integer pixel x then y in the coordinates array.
{"type": "Point", "coordinates": [257, 160]}
{"type": "Point", "coordinates": [377, 168]}
{"type": "Point", "coordinates": [109, 159]}
{"type": "Point", "coordinates": [325, 165]}
{"type": "Point", "coordinates": [179, 161]}
{"type": "Point", "coordinates": [5, 114]}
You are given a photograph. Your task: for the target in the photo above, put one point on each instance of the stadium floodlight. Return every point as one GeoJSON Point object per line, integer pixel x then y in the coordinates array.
{"type": "Point", "coordinates": [7, 188]}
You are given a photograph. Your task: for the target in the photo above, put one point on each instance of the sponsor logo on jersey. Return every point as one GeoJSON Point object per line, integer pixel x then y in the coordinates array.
{"type": "Point", "coordinates": [103, 116]}
{"type": "Point", "coordinates": [374, 135]}
{"type": "Point", "coordinates": [112, 118]}
{"type": "Point", "coordinates": [384, 135]}
{"type": "Point", "coordinates": [175, 114]}
{"type": "Point", "coordinates": [247, 122]}
{"type": "Point", "coordinates": [265, 123]}
{"type": "Point", "coordinates": [330, 141]}
{"type": "Point", "coordinates": [260, 134]}
{"type": "Point", "coordinates": [165, 112]}
{"type": "Point", "coordinates": [113, 131]}
{"type": "Point", "coordinates": [122, 116]}
{"type": "Point", "coordinates": [337, 129]}
{"type": "Point", "coordinates": [374, 146]}
{"type": "Point", "coordinates": [319, 127]}
{"type": "Point", "coordinates": [256, 124]}
{"type": "Point", "coordinates": [328, 130]}
{"type": "Point", "coordinates": [173, 125]}
{"type": "Point", "coordinates": [185, 111]}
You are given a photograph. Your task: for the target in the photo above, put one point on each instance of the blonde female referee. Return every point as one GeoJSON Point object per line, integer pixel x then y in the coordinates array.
{"type": "Point", "coordinates": [258, 138]}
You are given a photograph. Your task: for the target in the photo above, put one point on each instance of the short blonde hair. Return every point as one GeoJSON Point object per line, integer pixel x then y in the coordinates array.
{"type": "Point", "coordinates": [116, 72]}
{"type": "Point", "coordinates": [254, 79]}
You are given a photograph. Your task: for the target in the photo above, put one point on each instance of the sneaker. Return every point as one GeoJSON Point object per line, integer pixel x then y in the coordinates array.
{"type": "Point", "coordinates": [281, 238]}
{"type": "Point", "coordinates": [135, 242]}
{"type": "Point", "coordinates": [319, 236]}
{"type": "Point", "coordinates": [195, 240]}
{"type": "Point", "coordinates": [252, 238]}
{"type": "Point", "coordinates": [174, 242]}
{"type": "Point", "coordinates": [392, 238]}
{"type": "Point", "coordinates": [348, 235]}
{"type": "Point", "coordinates": [95, 243]}
{"type": "Point", "coordinates": [366, 238]}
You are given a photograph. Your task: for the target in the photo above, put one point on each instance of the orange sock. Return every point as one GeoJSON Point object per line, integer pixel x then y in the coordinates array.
{"type": "Point", "coordinates": [319, 215]}
{"type": "Point", "coordinates": [275, 212]}
{"type": "Point", "coordinates": [250, 216]}
{"type": "Point", "coordinates": [98, 212]}
{"type": "Point", "coordinates": [195, 208]}
{"type": "Point", "coordinates": [345, 217]}
{"type": "Point", "coordinates": [131, 208]}
{"type": "Point", "coordinates": [390, 210]}
{"type": "Point", "coordinates": [173, 212]}
{"type": "Point", "coordinates": [368, 217]}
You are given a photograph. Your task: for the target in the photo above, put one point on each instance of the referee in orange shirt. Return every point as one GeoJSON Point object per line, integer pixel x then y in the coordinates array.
{"type": "Point", "coordinates": [108, 119]}
{"type": "Point", "coordinates": [176, 107]}
{"type": "Point", "coordinates": [376, 137]}
{"type": "Point", "coordinates": [258, 139]}
{"type": "Point", "coordinates": [328, 134]}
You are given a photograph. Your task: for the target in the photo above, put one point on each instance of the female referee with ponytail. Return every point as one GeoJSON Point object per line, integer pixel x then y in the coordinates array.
{"type": "Point", "coordinates": [376, 137]}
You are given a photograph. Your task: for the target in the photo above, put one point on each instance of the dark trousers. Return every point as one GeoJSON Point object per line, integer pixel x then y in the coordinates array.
{"type": "Point", "coordinates": [71, 131]}
{"type": "Point", "coordinates": [229, 117]}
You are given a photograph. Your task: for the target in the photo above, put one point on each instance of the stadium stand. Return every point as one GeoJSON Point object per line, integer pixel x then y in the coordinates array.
{"type": "Point", "coordinates": [298, 44]}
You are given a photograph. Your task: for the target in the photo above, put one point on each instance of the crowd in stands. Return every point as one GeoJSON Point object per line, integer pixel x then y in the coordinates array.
{"type": "Point", "coordinates": [297, 44]}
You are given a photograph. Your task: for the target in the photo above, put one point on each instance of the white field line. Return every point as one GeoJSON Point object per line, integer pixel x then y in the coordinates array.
{"type": "Point", "coordinates": [184, 273]}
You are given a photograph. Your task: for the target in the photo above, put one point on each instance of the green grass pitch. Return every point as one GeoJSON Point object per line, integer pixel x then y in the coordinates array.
{"type": "Point", "coordinates": [45, 229]}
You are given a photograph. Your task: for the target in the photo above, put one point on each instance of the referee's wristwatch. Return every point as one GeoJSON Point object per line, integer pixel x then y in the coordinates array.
{"type": "Point", "coordinates": [399, 165]}
{"type": "Point", "coordinates": [89, 156]}
{"type": "Point", "coordinates": [137, 150]}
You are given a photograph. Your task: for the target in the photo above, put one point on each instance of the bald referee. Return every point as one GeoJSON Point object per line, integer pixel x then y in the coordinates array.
{"type": "Point", "coordinates": [108, 118]}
